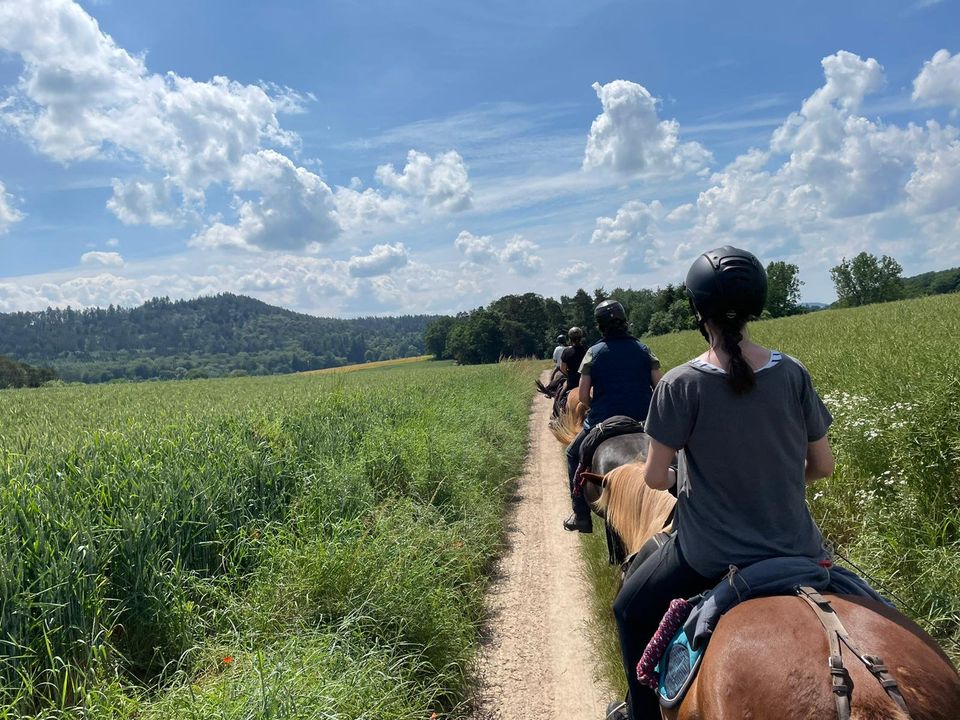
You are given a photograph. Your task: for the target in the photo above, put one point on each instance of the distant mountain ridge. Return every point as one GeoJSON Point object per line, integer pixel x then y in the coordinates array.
{"type": "Point", "coordinates": [203, 337]}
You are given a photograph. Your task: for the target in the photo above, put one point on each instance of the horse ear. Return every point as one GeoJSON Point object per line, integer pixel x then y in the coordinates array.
{"type": "Point", "coordinates": [592, 487]}
{"type": "Point", "coordinates": [592, 477]}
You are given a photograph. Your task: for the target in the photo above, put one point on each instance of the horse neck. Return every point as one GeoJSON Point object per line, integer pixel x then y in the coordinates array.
{"type": "Point", "coordinates": [634, 510]}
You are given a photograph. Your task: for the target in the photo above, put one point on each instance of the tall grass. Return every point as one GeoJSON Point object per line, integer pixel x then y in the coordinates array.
{"type": "Point", "coordinates": [890, 375]}
{"type": "Point", "coordinates": [328, 535]}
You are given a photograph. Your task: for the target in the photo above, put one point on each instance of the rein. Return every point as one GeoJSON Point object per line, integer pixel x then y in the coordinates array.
{"type": "Point", "coordinates": [837, 636]}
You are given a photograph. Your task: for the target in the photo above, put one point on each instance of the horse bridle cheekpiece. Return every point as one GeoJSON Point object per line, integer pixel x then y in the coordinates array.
{"type": "Point", "coordinates": [837, 637]}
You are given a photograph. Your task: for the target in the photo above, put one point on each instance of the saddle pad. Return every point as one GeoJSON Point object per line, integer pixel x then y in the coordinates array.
{"type": "Point", "coordinates": [676, 669]}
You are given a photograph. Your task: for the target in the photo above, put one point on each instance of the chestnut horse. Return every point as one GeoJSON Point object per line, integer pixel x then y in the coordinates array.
{"type": "Point", "coordinates": [768, 656]}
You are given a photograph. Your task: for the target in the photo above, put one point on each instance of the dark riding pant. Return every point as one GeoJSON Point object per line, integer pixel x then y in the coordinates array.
{"type": "Point", "coordinates": [639, 608]}
{"type": "Point", "coordinates": [580, 506]}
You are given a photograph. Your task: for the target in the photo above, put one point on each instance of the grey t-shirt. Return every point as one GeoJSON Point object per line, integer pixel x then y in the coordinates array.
{"type": "Point", "coordinates": [557, 352]}
{"type": "Point", "coordinates": [741, 462]}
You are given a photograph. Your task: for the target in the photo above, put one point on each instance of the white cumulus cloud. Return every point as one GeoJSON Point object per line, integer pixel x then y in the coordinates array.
{"type": "Point", "coordinates": [8, 214]}
{"type": "Point", "coordinates": [634, 235]}
{"type": "Point", "coordinates": [517, 254]}
{"type": "Point", "coordinates": [629, 137]}
{"type": "Point", "coordinates": [142, 202]}
{"type": "Point", "coordinates": [295, 207]}
{"type": "Point", "coordinates": [575, 271]}
{"type": "Point", "coordinates": [381, 260]}
{"type": "Point", "coordinates": [837, 163]}
{"type": "Point", "coordinates": [832, 182]}
{"type": "Point", "coordinates": [476, 248]}
{"type": "Point", "coordinates": [81, 96]}
{"type": "Point", "coordinates": [364, 208]}
{"type": "Point", "coordinates": [441, 182]}
{"type": "Point", "coordinates": [97, 257]}
{"type": "Point", "coordinates": [939, 81]}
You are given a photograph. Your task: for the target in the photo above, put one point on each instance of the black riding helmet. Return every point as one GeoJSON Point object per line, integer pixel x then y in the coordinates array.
{"type": "Point", "coordinates": [561, 339]}
{"type": "Point", "coordinates": [610, 314]}
{"type": "Point", "coordinates": [726, 282]}
{"type": "Point", "coordinates": [610, 310]}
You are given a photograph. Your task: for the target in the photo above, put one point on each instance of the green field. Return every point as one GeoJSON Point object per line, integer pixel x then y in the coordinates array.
{"type": "Point", "coordinates": [280, 547]}
{"type": "Point", "coordinates": [317, 546]}
{"type": "Point", "coordinates": [890, 375]}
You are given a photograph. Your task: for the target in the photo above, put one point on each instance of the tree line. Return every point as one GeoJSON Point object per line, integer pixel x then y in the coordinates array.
{"type": "Point", "coordinates": [213, 336]}
{"type": "Point", "coordinates": [528, 325]}
{"type": "Point", "coordinates": [14, 374]}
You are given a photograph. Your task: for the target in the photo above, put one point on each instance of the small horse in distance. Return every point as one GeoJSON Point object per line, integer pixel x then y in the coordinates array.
{"type": "Point", "coordinates": [767, 658]}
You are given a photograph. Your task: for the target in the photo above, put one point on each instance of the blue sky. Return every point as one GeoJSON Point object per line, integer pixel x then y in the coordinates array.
{"type": "Point", "coordinates": [348, 158]}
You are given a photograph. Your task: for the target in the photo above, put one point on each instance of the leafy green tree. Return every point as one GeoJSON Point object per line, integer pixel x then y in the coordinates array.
{"type": "Point", "coordinates": [15, 374]}
{"type": "Point", "coordinates": [578, 312]}
{"type": "Point", "coordinates": [865, 280]}
{"type": "Point", "coordinates": [523, 321]}
{"type": "Point", "coordinates": [476, 338]}
{"type": "Point", "coordinates": [783, 289]}
{"type": "Point", "coordinates": [435, 337]}
{"type": "Point", "coordinates": [555, 325]}
{"type": "Point", "coordinates": [677, 316]}
{"type": "Point", "coordinates": [932, 283]}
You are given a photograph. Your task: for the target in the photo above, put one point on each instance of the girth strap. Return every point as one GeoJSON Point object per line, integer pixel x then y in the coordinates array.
{"type": "Point", "coordinates": [837, 634]}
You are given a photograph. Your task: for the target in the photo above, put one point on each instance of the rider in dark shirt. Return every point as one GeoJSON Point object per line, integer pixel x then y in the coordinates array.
{"type": "Point", "coordinates": [617, 376]}
{"type": "Point", "coordinates": [572, 357]}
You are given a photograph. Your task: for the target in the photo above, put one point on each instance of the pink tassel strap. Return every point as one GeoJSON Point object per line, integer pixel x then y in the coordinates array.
{"type": "Point", "coordinates": [678, 611]}
{"type": "Point", "coordinates": [578, 480]}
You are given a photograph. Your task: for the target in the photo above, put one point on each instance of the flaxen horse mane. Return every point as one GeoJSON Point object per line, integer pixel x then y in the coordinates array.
{"type": "Point", "coordinates": [567, 426]}
{"type": "Point", "coordinates": [636, 511]}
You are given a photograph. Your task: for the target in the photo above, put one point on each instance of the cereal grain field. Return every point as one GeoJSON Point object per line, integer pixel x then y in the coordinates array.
{"type": "Point", "coordinates": [280, 547]}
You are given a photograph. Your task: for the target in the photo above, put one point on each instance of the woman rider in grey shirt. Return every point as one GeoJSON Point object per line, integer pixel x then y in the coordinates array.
{"type": "Point", "coordinates": [749, 431]}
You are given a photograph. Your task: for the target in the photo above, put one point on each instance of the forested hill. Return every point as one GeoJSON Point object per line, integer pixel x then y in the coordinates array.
{"type": "Point", "coordinates": [205, 337]}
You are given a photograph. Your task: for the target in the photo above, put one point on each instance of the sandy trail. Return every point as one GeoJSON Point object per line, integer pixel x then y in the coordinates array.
{"type": "Point", "coordinates": [536, 660]}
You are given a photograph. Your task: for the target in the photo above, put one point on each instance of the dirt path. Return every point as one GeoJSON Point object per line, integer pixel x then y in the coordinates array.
{"type": "Point", "coordinates": [536, 660]}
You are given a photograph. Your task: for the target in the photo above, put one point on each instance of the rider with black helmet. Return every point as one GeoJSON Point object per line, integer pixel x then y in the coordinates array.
{"type": "Point", "coordinates": [571, 358]}
{"type": "Point", "coordinates": [616, 378]}
{"type": "Point", "coordinates": [749, 431]}
{"type": "Point", "coordinates": [558, 350]}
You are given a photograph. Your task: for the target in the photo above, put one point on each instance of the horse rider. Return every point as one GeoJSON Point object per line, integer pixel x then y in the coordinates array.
{"type": "Point", "coordinates": [571, 358]}
{"type": "Point", "coordinates": [558, 350]}
{"type": "Point", "coordinates": [750, 432]}
{"type": "Point", "coordinates": [617, 376]}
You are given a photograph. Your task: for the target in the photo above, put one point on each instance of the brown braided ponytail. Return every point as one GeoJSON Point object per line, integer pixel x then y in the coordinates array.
{"type": "Point", "coordinates": [739, 373]}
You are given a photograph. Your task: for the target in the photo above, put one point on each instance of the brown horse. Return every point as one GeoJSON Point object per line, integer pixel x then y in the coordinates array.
{"type": "Point", "coordinates": [768, 656]}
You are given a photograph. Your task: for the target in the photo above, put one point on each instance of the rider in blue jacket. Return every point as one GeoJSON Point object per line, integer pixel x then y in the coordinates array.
{"type": "Point", "coordinates": [617, 377]}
